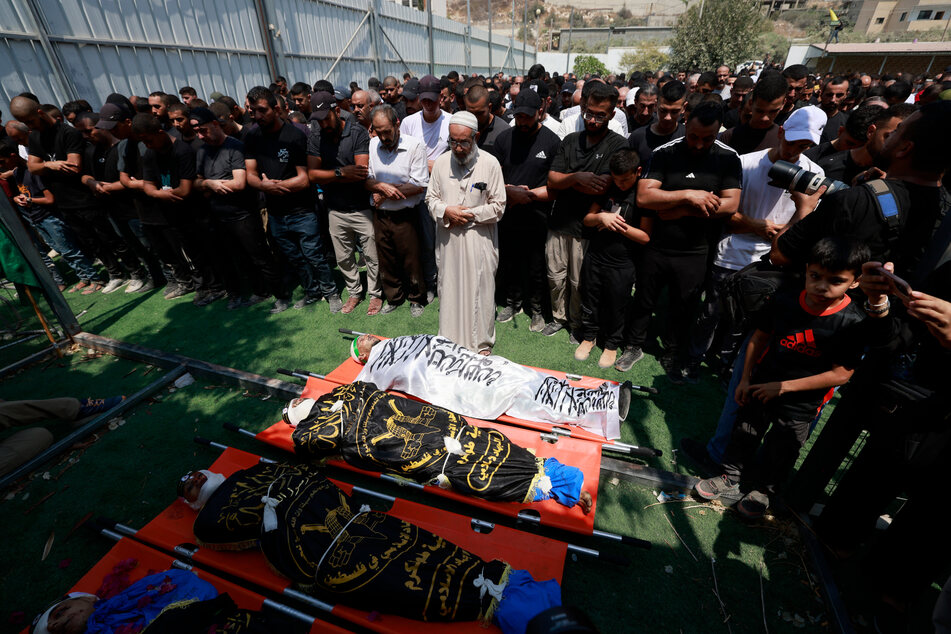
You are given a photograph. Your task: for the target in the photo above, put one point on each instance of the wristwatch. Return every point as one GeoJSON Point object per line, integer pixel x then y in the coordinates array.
{"type": "Point", "coordinates": [338, 172]}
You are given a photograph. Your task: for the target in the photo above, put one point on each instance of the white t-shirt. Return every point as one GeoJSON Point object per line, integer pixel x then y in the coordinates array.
{"type": "Point", "coordinates": [435, 135]}
{"type": "Point", "coordinates": [574, 123]}
{"type": "Point", "coordinates": [762, 201]}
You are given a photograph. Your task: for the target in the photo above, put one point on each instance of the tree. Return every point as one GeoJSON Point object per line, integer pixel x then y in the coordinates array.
{"type": "Point", "coordinates": [648, 56]}
{"type": "Point", "coordinates": [589, 64]}
{"type": "Point", "coordinates": [728, 34]}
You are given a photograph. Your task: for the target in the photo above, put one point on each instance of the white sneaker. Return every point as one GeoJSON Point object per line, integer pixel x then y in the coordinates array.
{"type": "Point", "coordinates": [136, 285]}
{"type": "Point", "coordinates": [113, 285]}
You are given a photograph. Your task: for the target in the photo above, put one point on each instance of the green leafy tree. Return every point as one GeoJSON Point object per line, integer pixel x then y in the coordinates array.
{"type": "Point", "coordinates": [728, 33]}
{"type": "Point", "coordinates": [585, 64]}
{"type": "Point", "coordinates": [648, 56]}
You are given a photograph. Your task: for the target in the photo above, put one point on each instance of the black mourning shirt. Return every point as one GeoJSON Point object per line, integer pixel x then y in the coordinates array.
{"type": "Point", "coordinates": [677, 168]}
{"type": "Point", "coordinates": [609, 247]}
{"type": "Point", "coordinates": [575, 155]}
{"type": "Point", "coordinates": [278, 156]}
{"type": "Point", "coordinates": [354, 140]}
{"type": "Point", "coordinates": [644, 142]}
{"type": "Point", "coordinates": [804, 342]}
{"type": "Point", "coordinates": [486, 137]}
{"type": "Point", "coordinates": [166, 170]}
{"type": "Point", "coordinates": [56, 144]}
{"type": "Point", "coordinates": [219, 163]}
{"type": "Point", "coordinates": [526, 160]}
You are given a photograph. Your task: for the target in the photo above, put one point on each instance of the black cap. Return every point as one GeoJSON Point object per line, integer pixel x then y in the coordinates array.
{"type": "Point", "coordinates": [320, 104]}
{"type": "Point", "coordinates": [110, 115]}
{"type": "Point", "coordinates": [341, 93]}
{"type": "Point", "coordinates": [411, 89]}
{"type": "Point", "coordinates": [568, 87]}
{"type": "Point", "coordinates": [540, 87]}
{"type": "Point", "coordinates": [429, 87]}
{"type": "Point", "coordinates": [527, 102]}
{"type": "Point", "coordinates": [201, 116]}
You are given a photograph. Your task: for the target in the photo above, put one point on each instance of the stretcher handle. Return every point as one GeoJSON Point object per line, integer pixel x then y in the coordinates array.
{"type": "Point", "coordinates": [647, 452]}
{"type": "Point", "coordinates": [308, 373]}
{"type": "Point", "coordinates": [293, 373]}
{"type": "Point", "coordinates": [645, 388]}
{"type": "Point", "coordinates": [347, 331]}
{"type": "Point", "coordinates": [238, 428]}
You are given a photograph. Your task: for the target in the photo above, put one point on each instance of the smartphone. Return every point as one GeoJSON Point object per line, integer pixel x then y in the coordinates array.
{"type": "Point", "coordinates": [900, 287]}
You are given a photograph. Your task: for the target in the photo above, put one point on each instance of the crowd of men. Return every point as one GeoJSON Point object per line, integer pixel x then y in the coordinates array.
{"type": "Point", "coordinates": [590, 204]}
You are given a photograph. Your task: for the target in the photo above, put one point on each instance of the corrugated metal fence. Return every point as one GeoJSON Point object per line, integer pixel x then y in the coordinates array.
{"type": "Point", "coordinates": [69, 49]}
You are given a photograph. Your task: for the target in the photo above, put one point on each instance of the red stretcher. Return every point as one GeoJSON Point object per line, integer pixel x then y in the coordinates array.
{"type": "Point", "coordinates": [151, 560]}
{"type": "Point", "coordinates": [577, 453]}
{"type": "Point", "coordinates": [544, 558]}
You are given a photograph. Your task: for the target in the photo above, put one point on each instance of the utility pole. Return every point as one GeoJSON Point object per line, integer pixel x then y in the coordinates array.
{"type": "Point", "coordinates": [512, 46]}
{"type": "Point", "coordinates": [429, 26]}
{"type": "Point", "coordinates": [571, 20]}
{"type": "Point", "coordinates": [490, 36]}
{"type": "Point", "coordinates": [524, 34]}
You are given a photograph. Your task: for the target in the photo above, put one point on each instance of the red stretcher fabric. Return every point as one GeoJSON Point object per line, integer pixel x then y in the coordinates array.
{"type": "Point", "coordinates": [570, 451]}
{"type": "Point", "coordinates": [544, 558]}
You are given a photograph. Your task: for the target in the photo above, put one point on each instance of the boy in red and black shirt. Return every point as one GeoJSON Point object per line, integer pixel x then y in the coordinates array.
{"type": "Point", "coordinates": [805, 345]}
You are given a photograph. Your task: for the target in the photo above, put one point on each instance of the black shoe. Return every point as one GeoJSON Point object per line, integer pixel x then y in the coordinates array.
{"type": "Point", "coordinates": [672, 369]}
{"type": "Point", "coordinates": [628, 358]}
{"type": "Point", "coordinates": [506, 314]}
{"type": "Point", "coordinates": [713, 488]}
{"type": "Point", "coordinates": [552, 328]}
{"type": "Point", "coordinates": [753, 505]}
{"type": "Point", "coordinates": [279, 306]}
{"type": "Point", "coordinates": [235, 302]}
{"type": "Point", "coordinates": [573, 340]}
{"type": "Point", "coordinates": [692, 372]}
{"type": "Point", "coordinates": [389, 308]}
{"type": "Point", "coordinates": [256, 299]}
{"type": "Point", "coordinates": [624, 400]}
{"type": "Point", "coordinates": [306, 300]}
{"type": "Point", "coordinates": [696, 452]}
{"type": "Point", "coordinates": [208, 297]}
{"type": "Point", "coordinates": [538, 323]}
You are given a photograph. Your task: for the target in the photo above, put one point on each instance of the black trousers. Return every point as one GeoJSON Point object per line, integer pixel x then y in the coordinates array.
{"type": "Point", "coordinates": [167, 241]}
{"type": "Point", "coordinates": [605, 300]}
{"type": "Point", "coordinates": [204, 246]}
{"type": "Point", "coordinates": [397, 250]}
{"type": "Point", "coordinates": [682, 275]}
{"type": "Point", "coordinates": [522, 277]}
{"type": "Point", "coordinates": [100, 239]}
{"type": "Point", "coordinates": [782, 438]}
{"type": "Point", "coordinates": [248, 257]}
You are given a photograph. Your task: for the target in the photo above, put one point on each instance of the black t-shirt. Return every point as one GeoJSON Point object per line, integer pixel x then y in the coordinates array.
{"type": "Point", "coordinates": [818, 152]}
{"type": "Point", "coordinates": [575, 155]}
{"type": "Point", "coordinates": [167, 169]}
{"type": "Point", "coordinates": [609, 247]}
{"type": "Point", "coordinates": [633, 125]}
{"type": "Point", "coordinates": [56, 144]}
{"type": "Point", "coordinates": [354, 140]}
{"type": "Point", "coordinates": [677, 168]}
{"type": "Point", "coordinates": [278, 155]}
{"type": "Point", "coordinates": [644, 142]}
{"type": "Point", "coordinates": [831, 131]}
{"type": "Point", "coordinates": [840, 166]}
{"type": "Point", "coordinates": [805, 343]}
{"type": "Point", "coordinates": [487, 137]}
{"type": "Point", "coordinates": [218, 163]}
{"type": "Point", "coordinates": [526, 160]}
{"type": "Point", "coordinates": [102, 163]}
{"type": "Point", "coordinates": [195, 142]}
{"type": "Point", "coordinates": [854, 213]}
{"type": "Point", "coordinates": [731, 116]}
{"type": "Point", "coordinates": [23, 182]}
{"type": "Point", "coordinates": [745, 139]}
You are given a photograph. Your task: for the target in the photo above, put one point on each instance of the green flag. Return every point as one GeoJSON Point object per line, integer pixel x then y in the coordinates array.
{"type": "Point", "coordinates": [13, 265]}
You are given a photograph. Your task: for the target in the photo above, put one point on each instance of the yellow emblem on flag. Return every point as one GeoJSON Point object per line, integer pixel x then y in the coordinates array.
{"type": "Point", "coordinates": [834, 17]}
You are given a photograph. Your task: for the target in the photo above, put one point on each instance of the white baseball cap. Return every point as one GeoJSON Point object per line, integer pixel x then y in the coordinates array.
{"type": "Point", "coordinates": [805, 124]}
{"type": "Point", "coordinates": [631, 96]}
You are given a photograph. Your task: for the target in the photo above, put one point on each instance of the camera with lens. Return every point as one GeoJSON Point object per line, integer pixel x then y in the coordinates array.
{"type": "Point", "coordinates": [793, 178]}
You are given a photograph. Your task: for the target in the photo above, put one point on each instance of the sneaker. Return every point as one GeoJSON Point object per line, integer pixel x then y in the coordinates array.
{"type": "Point", "coordinates": [697, 453]}
{"type": "Point", "coordinates": [624, 399]}
{"type": "Point", "coordinates": [416, 310]}
{"type": "Point", "coordinates": [255, 299]}
{"type": "Point", "coordinates": [335, 303]}
{"type": "Point", "coordinates": [753, 505]}
{"type": "Point", "coordinates": [171, 287]}
{"type": "Point", "coordinates": [573, 340]}
{"type": "Point", "coordinates": [713, 488]}
{"type": "Point", "coordinates": [212, 296]}
{"type": "Point", "coordinates": [306, 300]}
{"type": "Point", "coordinates": [538, 323]}
{"type": "Point", "coordinates": [280, 306]}
{"type": "Point", "coordinates": [376, 304]}
{"type": "Point", "coordinates": [628, 358]}
{"type": "Point", "coordinates": [113, 285]}
{"type": "Point", "coordinates": [583, 350]}
{"type": "Point", "coordinates": [430, 297]}
{"type": "Point", "coordinates": [505, 315]}
{"type": "Point", "coordinates": [235, 302]}
{"type": "Point", "coordinates": [352, 303]}
{"type": "Point", "coordinates": [692, 372]}
{"type": "Point", "coordinates": [552, 327]}
{"type": "Point", "coordinates": [145, 288]}
{"type": "Point", "coordinates": [90, 406]}
{"type": "Point", "coordinates": [137, 284]}
{"type": "Point", "coordinates": [199, 298]}
{"type": "Point", "coordinates": [389, 308]}
{"type": "Point", "coordinates": [672, 368]}
{"type": "Point", "coordinates": [607, 358]}
{"type": "Point", "coordinates": [178, 290]}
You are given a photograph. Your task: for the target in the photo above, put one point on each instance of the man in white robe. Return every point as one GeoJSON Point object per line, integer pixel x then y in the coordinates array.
{"type": "Point", "coordinates": [466, 197]}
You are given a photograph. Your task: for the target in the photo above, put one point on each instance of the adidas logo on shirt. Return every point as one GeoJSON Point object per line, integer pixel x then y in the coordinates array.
{"type": "Point", "coordinates": [690, 175]}
{"type": "Point", "coordinates": [541, 154]}
{"type": "Point", "coordinates": [802, 342]}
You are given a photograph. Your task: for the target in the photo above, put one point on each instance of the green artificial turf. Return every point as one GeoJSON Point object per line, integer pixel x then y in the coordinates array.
{"type": "Point", "coordinates": [129, 474]}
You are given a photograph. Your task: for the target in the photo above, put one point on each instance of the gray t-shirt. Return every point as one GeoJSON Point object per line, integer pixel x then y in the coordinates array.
{"type": "Point", "coordinates": [219, 163]}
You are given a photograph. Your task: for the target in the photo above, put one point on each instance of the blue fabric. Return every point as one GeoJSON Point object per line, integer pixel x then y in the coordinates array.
{"type": "Point", "coordinates": [60, 237]}
{"type": "Point", "coordinates": [138, 605]}
{"type": "Point", "coordinates": [566, 483]}
{"type": "Point", "coordinates": [524, 598]}
{"type": "Point", "coordinates": [298, 237]}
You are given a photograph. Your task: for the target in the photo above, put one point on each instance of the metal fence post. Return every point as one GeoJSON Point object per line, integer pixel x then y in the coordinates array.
{"type": "Point", "coordinates": [468, 38]}
{"type": "Point", "coordinates": [56, 64]}
{"type": "Point", "coordinates": [377, 53]}
{"type": "Point", "coordinates": [266, 40]}
{"type": "Point", "coordinates": [429, 26]}
{"type": "Point", "coordinates": [524, 34]}
{"type": "Point", "coordinates": [490, 35]}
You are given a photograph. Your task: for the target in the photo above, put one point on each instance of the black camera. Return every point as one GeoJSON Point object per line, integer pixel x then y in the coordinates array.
{"type": "Point", "coordinates": [791, 177]}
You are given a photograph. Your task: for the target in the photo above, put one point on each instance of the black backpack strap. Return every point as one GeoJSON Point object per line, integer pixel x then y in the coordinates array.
{"type": "Point", "coordinates": [888, 210]}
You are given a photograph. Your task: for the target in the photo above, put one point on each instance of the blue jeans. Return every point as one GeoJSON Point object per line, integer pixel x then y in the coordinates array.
{"type": "Point", "coordinates": [60, 237]}
{"type": "Point", "coordinates": [298, 237]}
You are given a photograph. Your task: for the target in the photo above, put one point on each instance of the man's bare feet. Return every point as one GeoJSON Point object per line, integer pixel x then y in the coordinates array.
{"type": "Point", "coordinates": [585, 502]}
